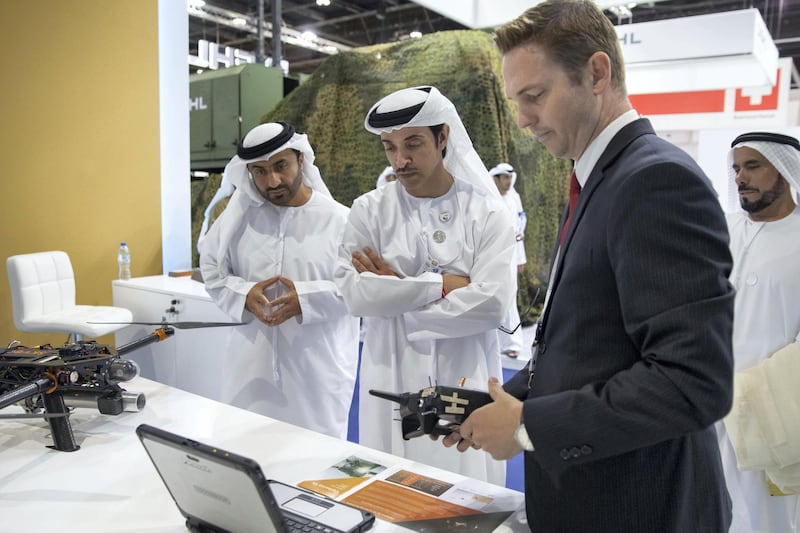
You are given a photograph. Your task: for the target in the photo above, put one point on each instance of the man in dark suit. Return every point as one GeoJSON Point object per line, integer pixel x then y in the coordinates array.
{"type": "Point", "coordinates": [634, 359]}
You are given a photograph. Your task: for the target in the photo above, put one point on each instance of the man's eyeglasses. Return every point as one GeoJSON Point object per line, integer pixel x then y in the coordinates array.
{"type": "Point", "coordinates": [524, 313]}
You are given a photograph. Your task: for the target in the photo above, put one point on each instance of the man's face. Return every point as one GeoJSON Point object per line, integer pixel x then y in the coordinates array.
{"type": "Point", "coordinates": [278, 178]}
{"type": "Point", "coordinates": [503, 182]}
{"type": "Point", "coordinates": [562, 116]}
{"type": "Point", "coordinates": [415, 156]}
{"type": "Point", "coordinates": [759, 182]}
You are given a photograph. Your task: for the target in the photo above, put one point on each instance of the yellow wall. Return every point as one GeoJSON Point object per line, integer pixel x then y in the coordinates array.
{"type": "Point", "coordinates": [79, 141]}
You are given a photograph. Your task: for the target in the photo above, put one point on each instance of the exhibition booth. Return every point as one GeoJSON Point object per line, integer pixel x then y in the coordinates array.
{"type": "Point", "coordinates": [698, 92]}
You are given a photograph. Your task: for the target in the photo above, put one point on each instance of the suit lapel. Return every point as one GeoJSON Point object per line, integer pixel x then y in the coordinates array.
{"type": "Point", "coordinates": [618, 143]}
{"type": "Point", "coordinates": [615, 148]}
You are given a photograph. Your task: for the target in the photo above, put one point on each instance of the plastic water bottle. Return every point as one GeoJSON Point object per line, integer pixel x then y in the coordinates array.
{"type": "Point", "coordinates": [124, 261]}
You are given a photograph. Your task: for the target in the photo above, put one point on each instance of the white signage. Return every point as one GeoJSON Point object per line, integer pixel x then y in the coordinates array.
{"type": "Point", "coordinates": [197, 104]}
{"type": "Point", "coordinates": [213, 56]}
{"type": "Point", "coordinates": [716, 51]}
{"type": "Point", "coordinates": [765, 107]}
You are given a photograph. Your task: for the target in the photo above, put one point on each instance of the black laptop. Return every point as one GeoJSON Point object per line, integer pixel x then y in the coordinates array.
{"type": "Point", "coordinates": [218, 491]}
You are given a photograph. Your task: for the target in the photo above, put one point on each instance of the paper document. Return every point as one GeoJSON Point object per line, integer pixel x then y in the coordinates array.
{"type": "Point", "coordinates": [418, 497]}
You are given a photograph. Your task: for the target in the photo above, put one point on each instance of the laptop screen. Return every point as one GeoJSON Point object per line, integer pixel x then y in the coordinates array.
{"type": "Point", "coordinates": [213, 488]}
{"type": "Point", "coordinates": [217, 490]}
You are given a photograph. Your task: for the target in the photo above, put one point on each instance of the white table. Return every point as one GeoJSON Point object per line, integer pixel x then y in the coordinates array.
{"type": "Point", "coordinates": [110, 486]}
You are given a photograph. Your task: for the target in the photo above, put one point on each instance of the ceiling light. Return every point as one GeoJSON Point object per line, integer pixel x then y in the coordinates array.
{"type": "Point", "coordinates": [239, 21]}
{"type": "Point", "coordinates": [415, 34]}
{"type": "Point", "coordinates": [323, 3]}
{"type": "Point", "coordinates": [309, 36]}
{"type": "Point", "coordinates": [288, 34]}
{"type": "Point", "coordinates": [621, 12]}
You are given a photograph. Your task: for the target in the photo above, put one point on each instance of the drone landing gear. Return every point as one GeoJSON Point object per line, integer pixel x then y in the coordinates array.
{"type": "Point", "coordinates": [60, 427]}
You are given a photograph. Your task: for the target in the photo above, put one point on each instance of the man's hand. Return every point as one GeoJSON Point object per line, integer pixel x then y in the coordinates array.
{"type": "Point", "coordinates": [370, 261]}
{"type": "Point", "coordinates": [278, 310]}
{"type": "Point", "coordinates": [491, 427]}
{"type": "Point", "coordinates": [451, 282]}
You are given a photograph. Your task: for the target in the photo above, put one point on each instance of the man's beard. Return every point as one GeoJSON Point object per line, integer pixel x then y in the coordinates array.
{"type": "Point", "coordinates": [289, 190]}
{"type": "Point", "coordinates": [280, 200]}
{"type": "Point", "coordinates": [767, 198]}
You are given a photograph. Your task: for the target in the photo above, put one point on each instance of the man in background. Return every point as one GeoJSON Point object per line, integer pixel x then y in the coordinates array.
{"type": "Point", "coordinates": [504, 178]}
{"type": "Point", "coordinates": [634, 361]}
{"type": "Point", "coordinates": [268, 261]}
{"type": "Point", "coordinates": [765, 243]}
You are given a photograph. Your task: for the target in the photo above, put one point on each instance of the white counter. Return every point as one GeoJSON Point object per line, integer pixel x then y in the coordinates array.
{"type": "Point", "coordinates": [191, 359]}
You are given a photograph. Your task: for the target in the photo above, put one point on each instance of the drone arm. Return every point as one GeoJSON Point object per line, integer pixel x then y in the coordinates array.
{"type": "Point", "coordinates": [157, 336]}
{"type": "Point", "coordinates": [25, 391]}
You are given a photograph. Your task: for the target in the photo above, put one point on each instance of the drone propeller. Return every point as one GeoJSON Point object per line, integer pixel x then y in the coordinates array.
{"type": "Point", "coordinates": [179, 325]}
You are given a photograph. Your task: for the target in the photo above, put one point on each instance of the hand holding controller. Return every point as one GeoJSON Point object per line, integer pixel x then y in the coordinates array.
{"type": "Point", "coordinates": [435, 410]}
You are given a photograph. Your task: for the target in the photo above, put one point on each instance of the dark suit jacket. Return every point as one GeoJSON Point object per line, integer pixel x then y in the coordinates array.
{"type": "Point", "coordinates": [635, 361]}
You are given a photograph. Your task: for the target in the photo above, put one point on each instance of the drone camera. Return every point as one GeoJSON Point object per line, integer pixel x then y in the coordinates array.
{"type": "Point", "coordinates": [123, 369]}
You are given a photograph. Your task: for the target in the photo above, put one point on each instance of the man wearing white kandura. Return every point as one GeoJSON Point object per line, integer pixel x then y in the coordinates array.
{"type": "Point", "coordinates": [504, 177]}
{"type": "Point", "coordinates": [269, 260]}
{"type": "Point", "coordinates": [428, 260]}
{"type": "Point", "coordinates": [760, 438]}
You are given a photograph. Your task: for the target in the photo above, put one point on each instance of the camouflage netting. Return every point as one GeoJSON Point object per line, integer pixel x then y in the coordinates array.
{"type": "Point", "coordinates": [465, 66]}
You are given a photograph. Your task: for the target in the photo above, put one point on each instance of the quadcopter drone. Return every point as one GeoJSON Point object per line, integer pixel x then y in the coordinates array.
{"type": "Point", "coordinates": [77, 374]}
{"type": "Point", "coordinates": [435, 410]}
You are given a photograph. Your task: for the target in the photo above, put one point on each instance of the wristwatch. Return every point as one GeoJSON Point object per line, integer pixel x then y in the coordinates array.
{"type": "Point", "coordinates": [522, 438]}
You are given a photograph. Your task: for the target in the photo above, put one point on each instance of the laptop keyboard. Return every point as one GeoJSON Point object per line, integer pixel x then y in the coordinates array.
{"type": "Point", "coordinates": [296, 524]}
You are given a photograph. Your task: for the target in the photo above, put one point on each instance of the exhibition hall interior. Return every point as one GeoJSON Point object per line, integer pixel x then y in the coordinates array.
{"type": "Point", "coordinates": [136, 343]}
{"type": "Point", "coordinates": [355, 23]}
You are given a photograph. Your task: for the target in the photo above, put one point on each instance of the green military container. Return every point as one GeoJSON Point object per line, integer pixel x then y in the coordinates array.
{"type": "Point", "coordinates": [224, 105]}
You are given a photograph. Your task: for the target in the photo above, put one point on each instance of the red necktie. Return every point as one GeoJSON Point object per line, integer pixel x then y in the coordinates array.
{"type": "Point", "coordinates": [574, 192]}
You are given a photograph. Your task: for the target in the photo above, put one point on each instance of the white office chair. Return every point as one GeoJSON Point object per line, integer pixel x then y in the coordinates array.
{"type": "Point", "coordinates": [43, 298]}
